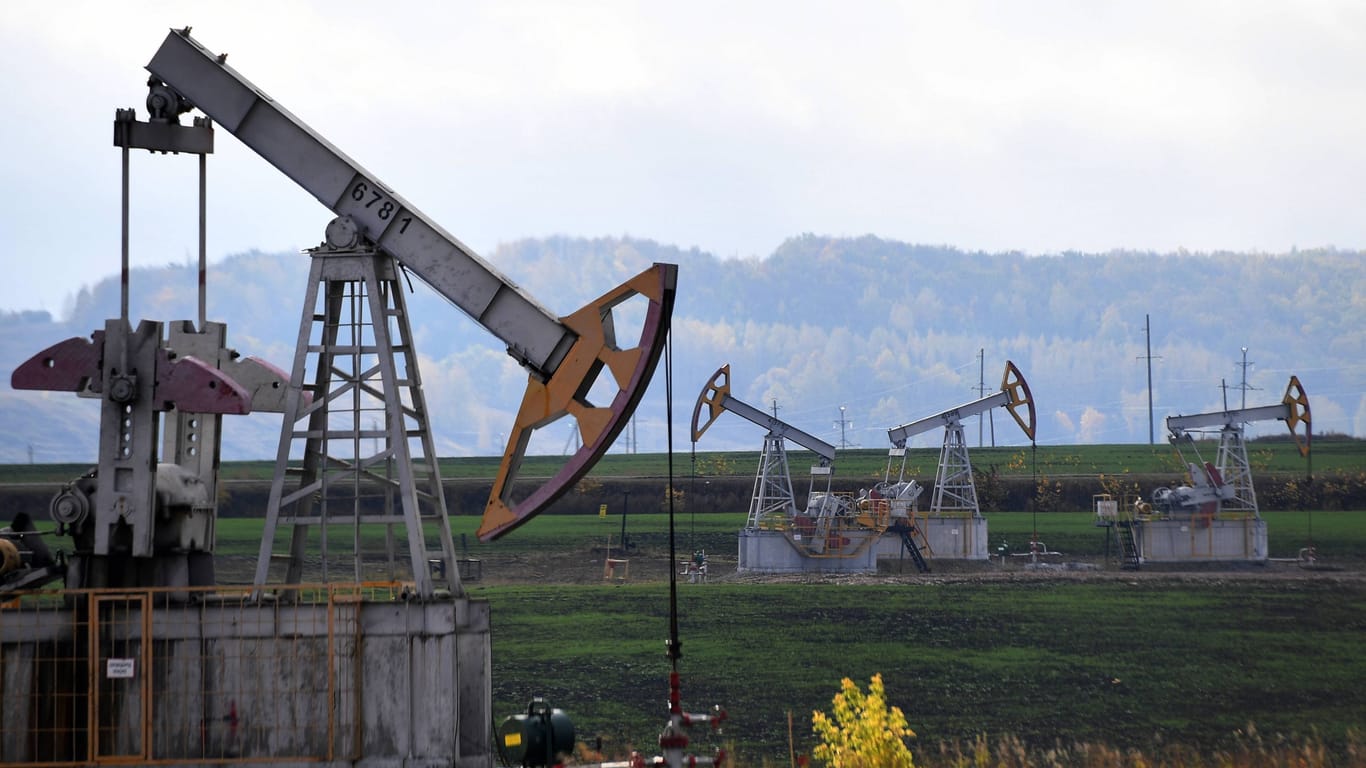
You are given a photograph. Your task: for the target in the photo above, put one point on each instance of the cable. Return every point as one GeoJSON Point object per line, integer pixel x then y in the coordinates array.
{"type": "Point", "coordinates": [692, 501]}
{"type": "Point", "coordinates": [675, 650]}
{"type": "Point", "coordinates": [1034, 474]}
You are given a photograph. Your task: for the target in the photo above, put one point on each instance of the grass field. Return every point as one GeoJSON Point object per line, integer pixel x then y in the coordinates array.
{"type": "Point", "coordinates": [1279, 456]}
{"type": "Point", "coordinates": [1339, 536]}
{"type": "Point", "coordinates": [1134, 660]}
{"type": "Point", "coordinates": [1135, 665]}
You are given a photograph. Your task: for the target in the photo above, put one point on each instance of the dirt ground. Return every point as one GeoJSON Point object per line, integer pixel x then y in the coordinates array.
{"type": "Point", "coordinates": [642, 567]}
{"type": "Point", "coordinates": [587, 566]}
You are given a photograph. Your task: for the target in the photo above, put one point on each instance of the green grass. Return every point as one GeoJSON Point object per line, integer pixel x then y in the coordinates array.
{"type": "Point", "coordinates": [1132, 662]}
{"type": "Point", "coordinates": [1109, 661]}
{"type": "Point", "coordinates": [1336, 535]}
{"type": "Point", "coordinates": [1014, 461]}
{"type": "Point", "coordinates": [1116, 459]}
{"type": "Point", "coordinates": [713, 532]}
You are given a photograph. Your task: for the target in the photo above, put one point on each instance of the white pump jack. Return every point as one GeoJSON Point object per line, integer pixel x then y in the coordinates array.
{"type": "Point", "coordinates": [1225, 485]}
{"type": "Point", "coordinates": [954, 487]}
{"type": "Point", "coordinates": [833, 527]}
{"type": "Point", "coordinates": [773, 498]}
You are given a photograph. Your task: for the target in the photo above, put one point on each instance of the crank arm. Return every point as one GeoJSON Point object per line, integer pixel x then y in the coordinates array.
{"type": "Point", "coordinates": [184, 383]}
{"type": "Point", "coordinates": [188, 384]}
{"type": "Point", "coordinates": [72, 365]}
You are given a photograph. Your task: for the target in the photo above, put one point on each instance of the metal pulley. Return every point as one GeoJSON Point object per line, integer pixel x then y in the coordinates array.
{"type": "Point", "coordinates": [164, 105]}
{"type": "Point", "coordinates": [342, 233]}
{"type": "Point", "coordinates": [69, 507]}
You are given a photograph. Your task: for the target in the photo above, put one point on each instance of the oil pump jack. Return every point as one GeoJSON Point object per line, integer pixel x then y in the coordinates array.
{"type": "Point", "coordinates": [142, 522]}
{"type": "Point", "coordinates": [354, 363]}
{"type": "Point", "coordinates": [954, 506]}
{"type": "Point", "coordinates": [832, 532]}
{"type": "Point", "coordinates": [955, 491]}
{"type": "Point", "coordinates": [1225, 485]}
{"type": "Point", "coordinates": [773, 502]}
{"type": "Point", "coordinates": [1214, 518]}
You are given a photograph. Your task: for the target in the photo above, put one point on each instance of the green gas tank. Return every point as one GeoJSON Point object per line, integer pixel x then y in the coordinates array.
{"type": "Point", "coordinates": [536, 738]}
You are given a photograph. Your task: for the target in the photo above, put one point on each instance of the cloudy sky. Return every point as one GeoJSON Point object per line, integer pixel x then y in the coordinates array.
{"type": "Point", "coordinates": [1034, 126]}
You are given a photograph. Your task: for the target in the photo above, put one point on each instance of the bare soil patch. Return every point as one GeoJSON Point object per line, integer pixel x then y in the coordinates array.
{"type": "Point", "coordinates": [588, 567]}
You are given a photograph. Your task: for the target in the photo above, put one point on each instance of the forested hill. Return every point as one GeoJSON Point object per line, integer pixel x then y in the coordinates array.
{"type": "Point", "coordinates": [889, 331]}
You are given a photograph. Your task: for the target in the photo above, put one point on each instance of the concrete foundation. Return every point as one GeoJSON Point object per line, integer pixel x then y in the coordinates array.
{"type": "Point", "coordinates": [1197, 540]}
{"type": "Point", "coordinates": [135, 677]}
{"type": "Point", "coordinates": [782, 552]}
{"type": "Point", "coordinates": [785, 551]}
{"type": "Point", "coordinates": [949, 538]}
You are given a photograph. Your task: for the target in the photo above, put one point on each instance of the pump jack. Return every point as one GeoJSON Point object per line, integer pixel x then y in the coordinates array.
{"type": "Point", "coordinates": [376, 237]}
{"type": "Point", "coordinates": [954, 488]}
{"type": "Point", "coordinates": [773, 500]}
{"type": "Point", "coordinates": [1226, 484]}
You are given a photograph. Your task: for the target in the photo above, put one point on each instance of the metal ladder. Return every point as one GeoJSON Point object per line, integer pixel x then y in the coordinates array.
{"type": "Point", "coordinates": [908, 532]}
{"type": "Point", "coordinates": [1124, 533]}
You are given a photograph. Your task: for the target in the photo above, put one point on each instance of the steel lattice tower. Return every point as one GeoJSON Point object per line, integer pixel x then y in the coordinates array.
{"type": "Point", "coordinates": [357, 413]}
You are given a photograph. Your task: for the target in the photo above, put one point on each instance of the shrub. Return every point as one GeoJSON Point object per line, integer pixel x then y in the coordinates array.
{"type": "Point", "coordinates": [863, 731]}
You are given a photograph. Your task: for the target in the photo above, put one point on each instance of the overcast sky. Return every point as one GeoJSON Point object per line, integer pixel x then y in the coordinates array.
{"type": "Point", "coordinates": [1034, 126]}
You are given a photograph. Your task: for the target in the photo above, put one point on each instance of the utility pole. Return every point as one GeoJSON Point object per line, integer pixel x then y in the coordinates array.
{"type": "Point", "coordinates": [981, 392]}
{"type": "Point", "coordinates": [1244, 365]}
{"type": "Point", "coordinates": [842, 424]}
{"type": "Point", "coordinates": [1148, 338]}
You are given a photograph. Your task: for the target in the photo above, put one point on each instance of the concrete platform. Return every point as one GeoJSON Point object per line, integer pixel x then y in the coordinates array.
{"type": "Point", "coordinates": [1198, 540]}
{"type": "Point", "coordinates": [786, 552]}
{"type": "Point", "coordinates": [341, 679]}
{"type": "Point", "coordinates": [949, 538]}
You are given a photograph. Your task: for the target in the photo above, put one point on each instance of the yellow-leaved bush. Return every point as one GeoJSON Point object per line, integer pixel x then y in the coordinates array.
{"type": "Point", "coordinates": [862, 731]}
